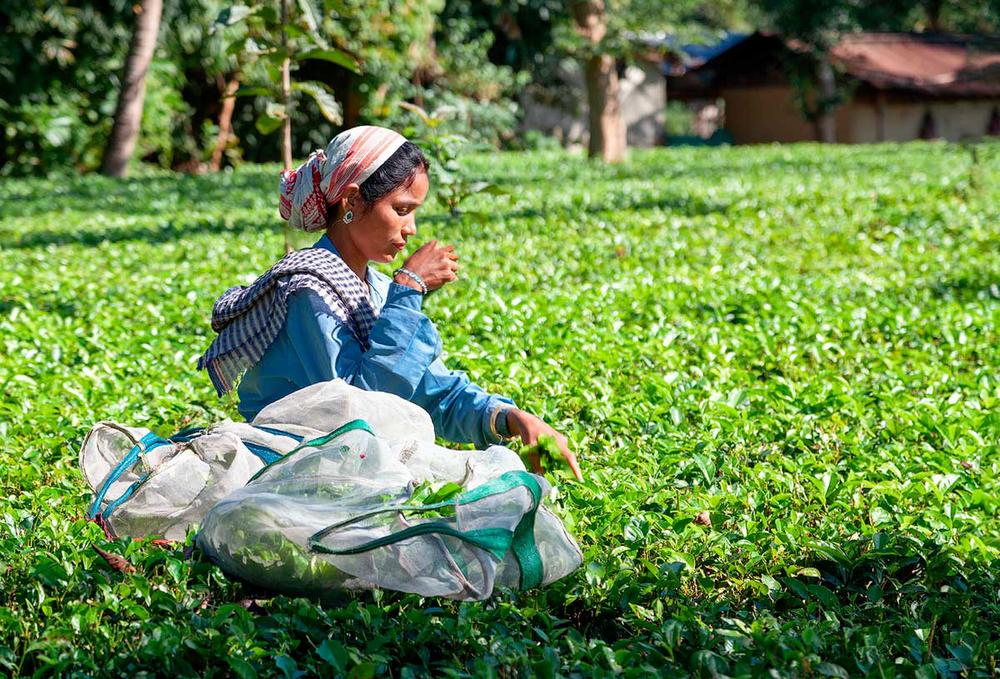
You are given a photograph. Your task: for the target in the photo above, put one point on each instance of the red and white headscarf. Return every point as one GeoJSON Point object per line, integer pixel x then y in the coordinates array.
{"type": "Point", "coordinates": [308, 191]}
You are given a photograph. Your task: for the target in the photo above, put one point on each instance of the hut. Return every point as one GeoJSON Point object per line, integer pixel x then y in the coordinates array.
{"type": "Point", "coordinates": [895, 87]}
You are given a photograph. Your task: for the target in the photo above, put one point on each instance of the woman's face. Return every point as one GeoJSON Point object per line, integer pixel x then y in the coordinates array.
{"type": "Point", "coordinates": [380, 231]}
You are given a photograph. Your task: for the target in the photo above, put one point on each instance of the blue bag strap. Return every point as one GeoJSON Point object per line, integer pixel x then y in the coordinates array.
{"type": "Point", "coordinates": [146, 443]}
{"type": "Point", "coordinates": [105, 514]}
{"type": "Point", "coordinates": [353, 425]}
{"type": "Point", "coordinates": [266, 454]}
{"type": "Point", "coordinates": [185, 435]}
{"type": "Point", "coordinates": [149, 442]}
{"type": "Point", "coordinates": [278, 432]}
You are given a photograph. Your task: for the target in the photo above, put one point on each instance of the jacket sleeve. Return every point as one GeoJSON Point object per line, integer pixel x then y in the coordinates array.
{"type": "Point", "coordinates": [460, 410]}
{"type": "Point", "coordinates": [403, 359]}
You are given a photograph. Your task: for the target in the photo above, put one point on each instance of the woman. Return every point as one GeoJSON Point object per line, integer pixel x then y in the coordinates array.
{"type": "Point", "coordinates": [321, 313]}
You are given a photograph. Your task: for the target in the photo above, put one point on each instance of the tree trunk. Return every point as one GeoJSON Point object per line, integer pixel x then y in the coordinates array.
{"type": "Point", "coordinates": [932, 8]}
{"type": "Point", "coordinates": [225, 122]}
{"type": "Point", "coordinates": [128, 113]}
{"type": "Point", "coordinates": [286, 92]}
{"type": "Point", "coordinates": [286, 100]}
{"type": "Point", "coordinates": [826, 123]}
{"type": "Point", "coordinates": [607, 129]}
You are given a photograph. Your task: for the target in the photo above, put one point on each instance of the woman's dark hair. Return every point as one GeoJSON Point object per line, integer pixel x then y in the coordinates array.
{"type": "Point", "coordinates": [399, 170]}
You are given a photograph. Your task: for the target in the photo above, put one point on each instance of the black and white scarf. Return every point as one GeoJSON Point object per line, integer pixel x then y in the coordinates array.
{"type": "Point", "coordinates": [249, 318]}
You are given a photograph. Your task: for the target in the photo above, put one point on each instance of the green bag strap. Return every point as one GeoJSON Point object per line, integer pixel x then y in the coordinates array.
{"type": "Point", "coordinates": [523, 540]}
{"type": "Point", "coordinates": [353, 425]}
{"type": "Point", "coordinates": [496, 541]}
{"type": "Point", "coordinates": [506, 482]}
{"type": "Point", "coordinates": [526, 551]}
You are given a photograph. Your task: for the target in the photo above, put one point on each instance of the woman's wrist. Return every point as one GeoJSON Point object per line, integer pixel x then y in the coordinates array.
{"type": "Point", "coordinates": [503, 423]}
{"type": "Point", "coordinates": [410, 280]}
{"type": "Point", "coordinates": [500, 424]}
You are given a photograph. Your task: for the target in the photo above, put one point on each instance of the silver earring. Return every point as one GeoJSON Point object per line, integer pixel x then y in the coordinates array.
{"type": "Point", "coordinates": [348, 217]}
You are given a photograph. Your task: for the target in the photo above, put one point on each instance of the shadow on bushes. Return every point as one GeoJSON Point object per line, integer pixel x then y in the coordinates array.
{"type": "Point", "coordinates": [151, 195]}
{"type": "Point", "coordinates": [687, 207]}
{"type": "Point", "coordinates": [971, 287]}
{"type": "Point", "coordinates": [173, 229]}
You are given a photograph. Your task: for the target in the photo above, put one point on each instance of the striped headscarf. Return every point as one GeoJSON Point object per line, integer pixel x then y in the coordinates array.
{"type": "Point", "coordinates": [308, 191]}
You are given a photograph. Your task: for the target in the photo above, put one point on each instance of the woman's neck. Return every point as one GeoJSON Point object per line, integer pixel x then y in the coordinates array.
{"type": "Point", "coordinates": [355, 259]}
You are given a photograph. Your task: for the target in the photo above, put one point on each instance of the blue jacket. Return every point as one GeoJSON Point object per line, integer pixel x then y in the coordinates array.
{"type": "Point", "coordinates": [404, 359]}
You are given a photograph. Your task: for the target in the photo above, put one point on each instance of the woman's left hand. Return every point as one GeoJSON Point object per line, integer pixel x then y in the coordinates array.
{"type": "Point", "coordinates": [529, 428]}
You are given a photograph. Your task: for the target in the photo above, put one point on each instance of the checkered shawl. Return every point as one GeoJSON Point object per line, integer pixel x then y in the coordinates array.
{"type": "Point", "coordinates": [249, 318]}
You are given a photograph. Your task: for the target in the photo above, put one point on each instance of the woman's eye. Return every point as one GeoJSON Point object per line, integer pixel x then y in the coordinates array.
{"type": "Point", "coordinates": [402, 211]}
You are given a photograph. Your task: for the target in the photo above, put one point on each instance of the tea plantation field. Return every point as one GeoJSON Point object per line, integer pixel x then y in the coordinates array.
{"type": "Point", "coordinates": [780, 368]}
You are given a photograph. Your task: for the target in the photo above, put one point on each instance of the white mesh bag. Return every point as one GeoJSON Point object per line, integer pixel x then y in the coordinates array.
{"type": "Point", "coordinates": [326, 406]}
{"type": "Point", "coordinates": [336, 514]}
{"type": "Point", "coordinates": [147, 485]}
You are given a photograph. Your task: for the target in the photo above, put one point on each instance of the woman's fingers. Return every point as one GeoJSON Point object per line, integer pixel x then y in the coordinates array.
{"type": "Point", "coordinates": [529, 438]}
{"type": "Point", "coordinates": [567, 454]}
{"type": "Point", "coordinates": [571, 461]}
{"type": "Point", "coordinates": [435, 263]}
{"type": "Point", "coordinates": [536, 463]}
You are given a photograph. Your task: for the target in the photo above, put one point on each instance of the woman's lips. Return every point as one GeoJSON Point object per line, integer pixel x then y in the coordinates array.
{"type": "Point", "coordinates": [399, 246]}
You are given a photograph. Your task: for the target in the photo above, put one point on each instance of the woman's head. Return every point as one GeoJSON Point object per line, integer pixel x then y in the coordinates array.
{"type": "Point", "coordinates": [380, 212]}
{"type": "Point", "coordinates": [372, 176]}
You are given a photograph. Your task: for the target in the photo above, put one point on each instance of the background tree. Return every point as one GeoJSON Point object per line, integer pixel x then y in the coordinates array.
{"type": "Point", "coordinates": [279, 39]}
{"type": "Point", "coordinates": [462, 61]}
{"type": "Point", "coordinates": [607, 128]}
{"type": "Point", "coordinates": [128, 113]}
{"type": "Point", "coordinates": [55, 64]}
{"type": "Point", "coordinates": [196, 79]}
{"type": "Point", "coordinates": [606, 32]}
{"type": "Point", "coordinates": [522, 30]}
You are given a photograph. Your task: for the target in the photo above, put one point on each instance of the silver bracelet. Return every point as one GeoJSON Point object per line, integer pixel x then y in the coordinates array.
{"type": "Point", "coordinates": [414, 277]}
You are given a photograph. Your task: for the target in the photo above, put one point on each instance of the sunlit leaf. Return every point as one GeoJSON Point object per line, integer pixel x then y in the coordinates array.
{"type": "Point", "coordinates": [234, 14]}
{"type": "Point", "coordinates": [323, 97]}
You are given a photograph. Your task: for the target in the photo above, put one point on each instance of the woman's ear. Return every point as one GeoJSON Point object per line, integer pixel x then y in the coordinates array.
{"type": "Point", "coordinates": [352, 197]}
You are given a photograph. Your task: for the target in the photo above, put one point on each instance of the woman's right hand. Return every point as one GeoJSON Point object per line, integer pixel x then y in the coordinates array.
{"type": "Point", "coordinates": [530, 427]}
{"type": "Point", "coordinates": [436, 264]}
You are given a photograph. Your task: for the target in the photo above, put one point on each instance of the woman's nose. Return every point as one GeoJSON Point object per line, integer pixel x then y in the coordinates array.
{"type": "Point", "coordinates": [410, 227]}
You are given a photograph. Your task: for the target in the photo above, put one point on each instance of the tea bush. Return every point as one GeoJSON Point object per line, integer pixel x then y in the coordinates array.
{"type": "Point", "coordinates": [779, 367]}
